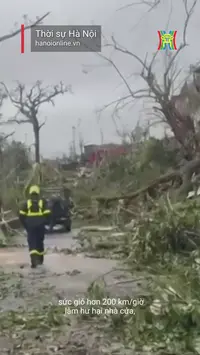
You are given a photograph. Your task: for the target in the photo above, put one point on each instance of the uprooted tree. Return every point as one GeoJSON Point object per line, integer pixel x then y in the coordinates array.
{"type": "Point", "coordinates": [178, 111]}
{"type": "Point", "coordinates": [28, 104]}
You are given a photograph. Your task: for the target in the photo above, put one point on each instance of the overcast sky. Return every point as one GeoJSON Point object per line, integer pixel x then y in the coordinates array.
{"type": "Point", "coordinates": [132, 28]}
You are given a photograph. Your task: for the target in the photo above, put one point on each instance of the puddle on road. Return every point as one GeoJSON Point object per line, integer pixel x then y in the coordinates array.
{"type": "Point", "coordinates": [62, 276]}
{"type": "Point", "coordinates": [56, 262]}
{"type": "Point", "coordinates": [67, 275]}
{"type": "Point", "coordinates": [30, 291]}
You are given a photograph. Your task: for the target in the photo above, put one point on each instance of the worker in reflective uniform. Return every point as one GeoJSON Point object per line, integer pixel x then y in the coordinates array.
{"type": "Point", "coordinates": [33, 216]}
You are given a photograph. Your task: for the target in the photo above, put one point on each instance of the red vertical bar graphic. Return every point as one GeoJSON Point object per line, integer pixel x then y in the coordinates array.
{"type": "Point", "coordinates": [22, 38]}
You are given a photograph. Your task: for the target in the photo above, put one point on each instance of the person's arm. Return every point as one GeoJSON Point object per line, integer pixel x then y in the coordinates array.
{"type": "Point", "coordinates": [22, 214]}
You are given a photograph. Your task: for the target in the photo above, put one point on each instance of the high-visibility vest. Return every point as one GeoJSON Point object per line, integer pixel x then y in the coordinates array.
{"type": "Point", "coordinates": [40, 211]}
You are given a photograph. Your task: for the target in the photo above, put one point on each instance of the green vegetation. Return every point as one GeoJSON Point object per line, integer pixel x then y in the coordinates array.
{"type": "Point", "coordinates": [160, 248]}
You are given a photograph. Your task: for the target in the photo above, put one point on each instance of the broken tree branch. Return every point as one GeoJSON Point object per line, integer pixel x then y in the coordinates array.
{"type": "Point", "coordinates": [184, 174]}
{"type": "Point", "coordinates": [151, 4]}
{"type": "Point", "coordinates": [184, 44]}
{"type": "Point", "coordinates": [180, 123]}
{"type": "Point", "coordinates": [160, 180]}
{"type": "Point", "coordinates": [15, 33]}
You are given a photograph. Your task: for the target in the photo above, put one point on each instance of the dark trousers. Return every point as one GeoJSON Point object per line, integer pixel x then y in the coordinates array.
{"type": "Point", "coordinates": [35, 238]}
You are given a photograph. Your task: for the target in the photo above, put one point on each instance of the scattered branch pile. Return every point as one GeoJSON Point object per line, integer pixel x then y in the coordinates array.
{"type": "Point", "coordinates": [163, 246]}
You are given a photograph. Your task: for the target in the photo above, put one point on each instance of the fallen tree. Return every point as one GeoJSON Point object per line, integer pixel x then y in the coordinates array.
{"type": "Point", "coordinates": [182, 177]}
{"type": "Point", "coordinates": [162, 254]}
{"type": "Point", "coordinates": [9, 226]}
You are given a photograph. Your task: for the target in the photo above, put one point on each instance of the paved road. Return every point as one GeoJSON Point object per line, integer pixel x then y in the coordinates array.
{"type": "Point", "coordinates": [71, 274]}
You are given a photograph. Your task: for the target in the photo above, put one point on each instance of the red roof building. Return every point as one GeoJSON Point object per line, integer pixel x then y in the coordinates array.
{"type": "Point", "coordinates": [97, 153]}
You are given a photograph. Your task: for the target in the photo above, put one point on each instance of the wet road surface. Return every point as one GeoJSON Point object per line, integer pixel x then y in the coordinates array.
{"type": "Point", "coordinates": [69, 274]}
{"type": "Point", "coordinates": [33, 295]}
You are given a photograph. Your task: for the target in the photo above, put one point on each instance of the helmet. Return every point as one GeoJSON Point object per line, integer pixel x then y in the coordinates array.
{"type": "Point", "coordinates": [34, 189]}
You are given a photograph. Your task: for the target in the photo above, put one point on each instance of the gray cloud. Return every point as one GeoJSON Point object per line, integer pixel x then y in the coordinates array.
{"type": "Point", "coordinates": [101, 85]}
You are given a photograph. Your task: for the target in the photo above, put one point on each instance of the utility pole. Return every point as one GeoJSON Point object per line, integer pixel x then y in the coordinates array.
{"type": "Point", "coordinates": [74, 141]}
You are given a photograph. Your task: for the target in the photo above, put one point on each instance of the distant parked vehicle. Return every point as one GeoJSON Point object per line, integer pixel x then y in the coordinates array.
{"type": "Point", "coordinates": [60, 219]}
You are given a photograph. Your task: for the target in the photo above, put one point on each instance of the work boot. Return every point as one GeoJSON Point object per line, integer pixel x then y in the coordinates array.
{"type": "Point", "coordinates": [41, 259]}
{"type": "Point", "coordinates": [34, 261]}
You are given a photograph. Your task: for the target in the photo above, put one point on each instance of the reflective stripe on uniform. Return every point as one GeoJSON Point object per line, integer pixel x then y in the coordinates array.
{"type": "Point", "coordinates": [35, 214]}
{"type": "Point", "coordinates": [22, 213]}
{"type": "Point", "coordinates": [32, 214]}
{"type": "Point", "coordinates": [36, 252]}
{"type": "Point", "coordinates": [46, 211]}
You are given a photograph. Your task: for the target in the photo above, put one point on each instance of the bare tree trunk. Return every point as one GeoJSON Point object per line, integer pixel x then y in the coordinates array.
{"type": "Point", "coordinates": [28, 104]}
{"type": "Point", "coordinates": [183, 129]}
{"type": "Point", "coordinates": [37, 144]}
